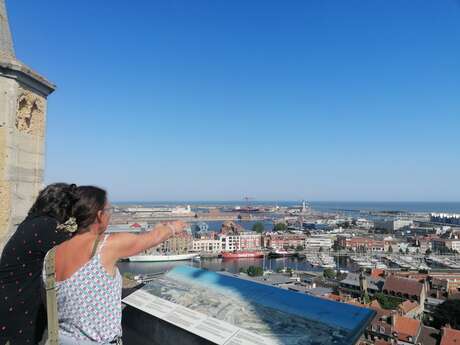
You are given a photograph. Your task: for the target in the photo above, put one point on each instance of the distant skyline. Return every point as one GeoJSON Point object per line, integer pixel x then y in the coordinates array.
{"type": "Point", "coordinates": [349, 207]}
{"type": "Point", "coordinates": [206, 100]}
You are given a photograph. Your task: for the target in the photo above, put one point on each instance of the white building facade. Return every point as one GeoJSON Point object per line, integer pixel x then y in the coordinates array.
{"type": "Point", "coordinates": [318, 241]}
{"type": "Point", "coordinates": [207, 246]}
{"type": "Point", "coordinates": [230, 243]}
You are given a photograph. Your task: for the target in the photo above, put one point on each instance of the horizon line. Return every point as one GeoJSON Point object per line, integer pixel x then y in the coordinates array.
{"type": "Point", "coordinates": [284, 200]}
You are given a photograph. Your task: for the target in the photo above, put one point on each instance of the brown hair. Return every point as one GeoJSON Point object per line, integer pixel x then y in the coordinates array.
{"type": "Point", "coordinates": [91, 200]}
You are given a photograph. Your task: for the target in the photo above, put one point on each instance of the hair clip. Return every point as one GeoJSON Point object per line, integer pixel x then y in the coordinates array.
{"type": "Point", "coordinates": [69, 226]}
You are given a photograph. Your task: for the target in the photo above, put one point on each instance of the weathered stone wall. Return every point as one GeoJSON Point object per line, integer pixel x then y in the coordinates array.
{"type": "Point", "coordinates": [23, 95]}
{"type": "Point", "coordinates": [8, 93]}
{"type": "Point", "coordinates": [22, 131]}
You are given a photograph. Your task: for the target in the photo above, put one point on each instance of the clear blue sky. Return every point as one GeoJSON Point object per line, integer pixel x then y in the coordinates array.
{"type": "Point", "coordinates": [203, 100]}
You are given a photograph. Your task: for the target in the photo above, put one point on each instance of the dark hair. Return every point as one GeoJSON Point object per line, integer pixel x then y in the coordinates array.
{"type": "Point", "coordinates": [91, 200]}
{"type": "Point", "coordinates": [55, 200]}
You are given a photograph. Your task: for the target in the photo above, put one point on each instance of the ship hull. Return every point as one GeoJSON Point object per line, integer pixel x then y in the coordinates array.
{"type": "Point", "coordinates": [281, 254]}
{"type": "Point", "coordinates": [162, 258]}
{"type": "Point", "coordinates": [242, 255]}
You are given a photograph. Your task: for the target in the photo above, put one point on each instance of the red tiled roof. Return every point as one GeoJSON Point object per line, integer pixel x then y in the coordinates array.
{"type": "Point", "coordinates": [407, 306]}
{"type": "Point", "coordinates": [381, 342]}
{"type": "Point", "coordinates": [377, 272]}
{"type": "Point", "coordinates": [412, 275]}
{"type": "Point", "coordinates": [403, 285]}
{"type": "Point", "coordinates": [405, 328]}
{"type": "Point", "coordinates": [375, 304]}
{"type": "Point", "coordinates": [450, 337]}
{"type": "Point", "coordinates": [382, 314]}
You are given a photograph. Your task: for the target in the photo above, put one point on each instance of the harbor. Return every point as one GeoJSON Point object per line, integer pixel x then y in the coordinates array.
{"type": "Point", "coordinates": [312, 262]}
{"type": "Point", "coordinates": [242, 164]}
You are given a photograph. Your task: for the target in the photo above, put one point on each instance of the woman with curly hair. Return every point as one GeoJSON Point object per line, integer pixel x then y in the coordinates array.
{"type": "Point", "coordinates": [22, 313]}
{"type": "Point", "coordinates": [88, 283]}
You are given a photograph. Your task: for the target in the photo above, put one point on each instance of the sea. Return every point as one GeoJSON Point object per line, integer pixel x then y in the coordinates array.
{"type": "Point", "coordinates": [404, 206]}
{"type": "Point", "coordinates": [351, 208]}
{"type": "Point", "coordinates": [323, 206]}
{"type": "Point", "coordinates": [346, 208]}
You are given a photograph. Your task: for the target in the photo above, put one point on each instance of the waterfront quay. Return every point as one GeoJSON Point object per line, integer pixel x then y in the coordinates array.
{"type": "Point", "coordinates": [402, 266]}
{"type": "Point", "coordinates": [149, 216]}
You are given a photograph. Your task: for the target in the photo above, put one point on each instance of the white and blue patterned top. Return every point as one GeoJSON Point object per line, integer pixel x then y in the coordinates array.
{"type": "Point", "coordinates": [89, 302]}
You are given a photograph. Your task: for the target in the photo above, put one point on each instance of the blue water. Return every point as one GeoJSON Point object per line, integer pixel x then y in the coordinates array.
{"type": "Point", "coordinates": [232, 266]}
{"type": "Point", "coordinates": [406, 206]}
{"type": "Point", "coordinates": [327, 206]}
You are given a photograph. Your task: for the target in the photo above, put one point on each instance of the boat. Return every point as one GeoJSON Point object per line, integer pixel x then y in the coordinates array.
{"type": "Point", "coordinates": [424, 267]}
{"type": "Point", "coordinates": [161, 258]}
{"type": "Point", "coordinates": [326, 261]}
{"type": "Point", "coordinates": [362, 262]}
{"type": "Point", "coordinates": [429, 260]}
{"type": "Point", "coordinates": [242, 255]}
{"type": "Point", "coordinates": [313, 260]}
{"type": "Point", "coordinates": [279, 253]}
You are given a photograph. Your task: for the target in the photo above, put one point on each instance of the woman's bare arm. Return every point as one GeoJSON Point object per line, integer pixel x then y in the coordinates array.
{"type": "Point", "coordinates": [122, 245]}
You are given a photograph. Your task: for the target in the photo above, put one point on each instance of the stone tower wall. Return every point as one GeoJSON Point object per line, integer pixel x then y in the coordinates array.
{"type": "Point", "coordinates": [22, 131]}
{"type": "Point", "coordinates": [23, 94]}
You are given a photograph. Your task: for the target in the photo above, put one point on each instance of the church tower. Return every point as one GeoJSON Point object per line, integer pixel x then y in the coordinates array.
{"type": "Point", "coordinates": [23, 94]}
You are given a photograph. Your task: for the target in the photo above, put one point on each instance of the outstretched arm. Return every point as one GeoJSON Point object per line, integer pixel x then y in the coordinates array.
{"type": "Point", "coordinates": [122, 245]}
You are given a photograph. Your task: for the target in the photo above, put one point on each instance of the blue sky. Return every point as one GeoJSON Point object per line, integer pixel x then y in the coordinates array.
{"type": "Point", "coordinates": [214, 100]}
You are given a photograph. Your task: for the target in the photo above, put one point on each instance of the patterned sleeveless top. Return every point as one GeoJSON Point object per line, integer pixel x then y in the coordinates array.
{"type": "Point", "coordinates": [89, 302]}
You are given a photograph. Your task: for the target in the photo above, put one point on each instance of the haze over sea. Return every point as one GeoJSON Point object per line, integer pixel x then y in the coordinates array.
{"type": "Point", "coordinates": [327, 206]}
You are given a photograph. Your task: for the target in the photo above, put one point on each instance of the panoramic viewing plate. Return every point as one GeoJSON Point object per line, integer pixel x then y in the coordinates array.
{"type": "Point", "coordinates": [230, 310]}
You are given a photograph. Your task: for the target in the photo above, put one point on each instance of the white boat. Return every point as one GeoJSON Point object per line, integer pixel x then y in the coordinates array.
{"type": "Point", "coordinates": [424, 267]}
{"type": "Point", "coordinates": [326, 261]}
{"type": "Point", "coordinates": [313, 260]}
{"type": "Point", "coordinates": [363, 262]}
{"type": "Point", "coordinates": [282, 253]}
{"type": "Point", "coordinates": [160, 258]}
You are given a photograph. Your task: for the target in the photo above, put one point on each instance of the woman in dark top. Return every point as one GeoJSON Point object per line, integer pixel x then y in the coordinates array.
{"type": "Point", "coordinates": [22, 312]}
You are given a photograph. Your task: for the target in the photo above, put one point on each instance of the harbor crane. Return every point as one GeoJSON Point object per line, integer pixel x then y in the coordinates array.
{"type": "Point", "coordinates": [248, 208]}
